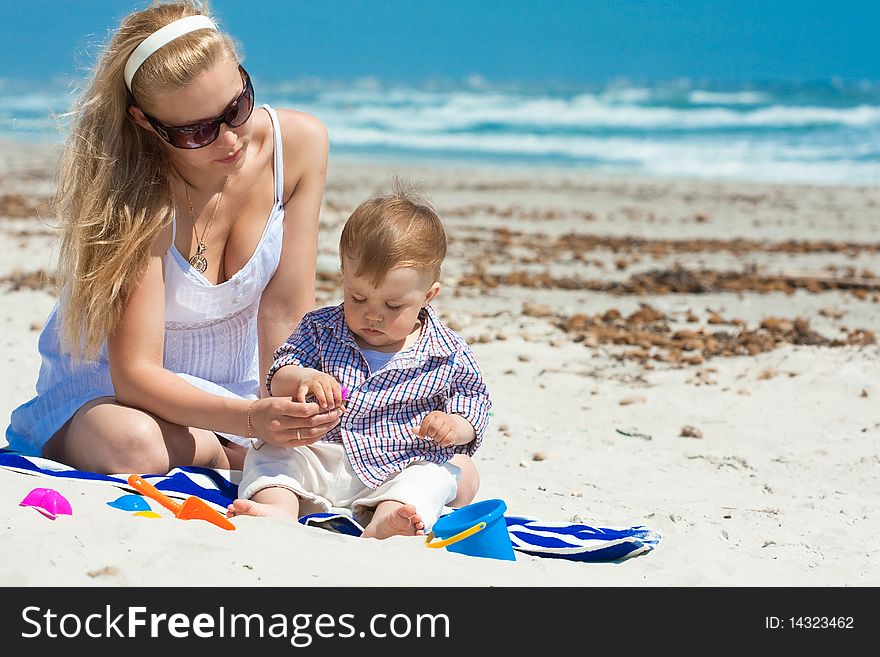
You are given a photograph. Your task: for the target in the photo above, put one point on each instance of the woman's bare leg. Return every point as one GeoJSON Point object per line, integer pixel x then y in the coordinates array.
{"type": "Point", "coordinates": [235, 454]}
{"type": "Point", "coordinates": [110, 438]}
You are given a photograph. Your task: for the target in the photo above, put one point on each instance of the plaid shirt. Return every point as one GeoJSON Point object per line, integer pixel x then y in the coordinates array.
{"type": "Point", "coordinates": [439, 372]}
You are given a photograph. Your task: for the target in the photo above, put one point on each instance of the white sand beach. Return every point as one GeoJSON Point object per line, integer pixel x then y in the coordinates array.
{"type": "Point", "coordinates": [757, 309]}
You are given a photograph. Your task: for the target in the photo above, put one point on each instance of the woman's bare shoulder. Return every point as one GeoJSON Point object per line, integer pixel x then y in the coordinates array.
{"type": "Point", "coordinates": [306, 145]}
{"type": "Point", "coordinates": [296, 124]}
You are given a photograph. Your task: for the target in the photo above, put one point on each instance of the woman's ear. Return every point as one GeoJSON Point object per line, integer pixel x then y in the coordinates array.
{"type": "Point", "coordinates": [136, 114]}
{"type": "Point", "coordinates": [432, 292]}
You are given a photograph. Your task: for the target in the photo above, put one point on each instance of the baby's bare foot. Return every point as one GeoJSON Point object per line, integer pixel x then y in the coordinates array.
{"type": "Point", "coordinates": [394, 519]}
{"type": "Point", "coordinates": [258, 509]}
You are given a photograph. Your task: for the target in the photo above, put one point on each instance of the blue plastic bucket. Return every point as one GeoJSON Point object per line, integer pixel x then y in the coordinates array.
{"type": "Point", "coordinates": [478, 530]}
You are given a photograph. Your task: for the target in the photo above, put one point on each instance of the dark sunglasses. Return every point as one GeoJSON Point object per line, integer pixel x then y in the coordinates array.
{"type": "Point", "coordinates": [199, 135]}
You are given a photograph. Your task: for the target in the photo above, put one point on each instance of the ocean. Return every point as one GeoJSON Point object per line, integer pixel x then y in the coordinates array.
{"type": "Point", "coordinates": [817, 133]}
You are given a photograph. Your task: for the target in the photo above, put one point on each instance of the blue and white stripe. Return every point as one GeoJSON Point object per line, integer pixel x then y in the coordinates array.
{"type": "Point", "coordinates": [554, 540]}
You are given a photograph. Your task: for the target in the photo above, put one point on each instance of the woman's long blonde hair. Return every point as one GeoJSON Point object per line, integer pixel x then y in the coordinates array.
{"type": "Point", "coordinates": [113, 196]}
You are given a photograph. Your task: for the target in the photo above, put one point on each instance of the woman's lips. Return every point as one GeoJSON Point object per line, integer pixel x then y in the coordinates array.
{"type": "Point", "coordinates": [232, 158]}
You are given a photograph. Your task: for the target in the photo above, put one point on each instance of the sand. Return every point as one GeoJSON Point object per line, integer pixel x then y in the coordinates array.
{"type": "Point", "coordinates": [610, 316]}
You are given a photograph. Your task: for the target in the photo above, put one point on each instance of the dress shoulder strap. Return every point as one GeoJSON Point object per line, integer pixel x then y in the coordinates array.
{"type": "Point", "coordinates": [279, 154]}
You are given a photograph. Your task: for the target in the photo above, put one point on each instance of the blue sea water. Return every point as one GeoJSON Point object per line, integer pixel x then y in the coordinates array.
{"type": "Point", "coordinates": [819, 133]}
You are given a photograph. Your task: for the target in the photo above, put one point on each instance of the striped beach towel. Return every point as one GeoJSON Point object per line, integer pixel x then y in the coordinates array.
{"type": "Point", "coordinates": [217, 487]}
{"type": "Point", "coordinates": [556, 540]}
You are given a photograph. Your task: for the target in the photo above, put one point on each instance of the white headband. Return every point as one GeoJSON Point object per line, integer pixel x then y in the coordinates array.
{"type": "Point", "coordinates": [161, 37]}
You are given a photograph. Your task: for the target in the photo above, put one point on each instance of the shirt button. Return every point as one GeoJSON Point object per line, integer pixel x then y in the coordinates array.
{"type": "Point", "coordinates": [236, 300]}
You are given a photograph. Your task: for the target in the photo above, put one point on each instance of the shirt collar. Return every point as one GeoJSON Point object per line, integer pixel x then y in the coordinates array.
{"type": "Point", "coordinates": [435, 339]}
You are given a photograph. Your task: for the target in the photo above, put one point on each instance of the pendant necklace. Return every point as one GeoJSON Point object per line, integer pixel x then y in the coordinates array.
{"type": "Point", "coordinates": [198, 261]}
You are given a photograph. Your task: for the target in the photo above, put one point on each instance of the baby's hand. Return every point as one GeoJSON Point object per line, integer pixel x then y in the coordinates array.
{"type": "Point", "coordinates": [326, 390]}
{"type": "Point", "coordinates": [439, 427]}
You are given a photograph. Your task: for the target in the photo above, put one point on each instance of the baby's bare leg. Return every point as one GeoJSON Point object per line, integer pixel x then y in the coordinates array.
{"type": "Point", "coordinates": [468, 482]}
{"type": "Point", "coordinates": [274, 501]}
{"type": "Point", "coordinates": [393, 518]}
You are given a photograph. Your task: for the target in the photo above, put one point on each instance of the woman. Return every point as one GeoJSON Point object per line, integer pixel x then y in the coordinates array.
{"type": "Point", "coordinates": [189, 242]}
{"type": "Point", "coordinates": [188, 249]}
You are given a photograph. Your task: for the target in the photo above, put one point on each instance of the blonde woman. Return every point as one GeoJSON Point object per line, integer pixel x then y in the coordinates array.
{"type": "Point", "coordinates": [189, 236]}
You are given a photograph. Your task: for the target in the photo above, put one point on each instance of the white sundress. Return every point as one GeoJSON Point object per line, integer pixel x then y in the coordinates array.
{"type": "Point", "coordinates": [210, 336]}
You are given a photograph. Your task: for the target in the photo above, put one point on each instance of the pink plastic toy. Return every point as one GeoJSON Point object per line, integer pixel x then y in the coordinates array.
{"type": "Point", "coordinates": [49, 502]}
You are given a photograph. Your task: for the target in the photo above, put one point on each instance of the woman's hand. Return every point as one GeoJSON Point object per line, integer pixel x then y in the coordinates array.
{"type": "Point", "coordinates": [285, 423]}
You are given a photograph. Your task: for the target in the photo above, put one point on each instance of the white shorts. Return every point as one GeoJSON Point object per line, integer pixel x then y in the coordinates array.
{"type": "Point", "coordinates": [322, 474]}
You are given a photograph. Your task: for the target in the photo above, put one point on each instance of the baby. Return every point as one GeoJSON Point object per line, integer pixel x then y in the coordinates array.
{"type": "Point", "coordinates": [416, 397]}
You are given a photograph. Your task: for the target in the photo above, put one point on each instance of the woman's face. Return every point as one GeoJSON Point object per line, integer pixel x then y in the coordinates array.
{"type": "Point", "coordinates": [205, 98]}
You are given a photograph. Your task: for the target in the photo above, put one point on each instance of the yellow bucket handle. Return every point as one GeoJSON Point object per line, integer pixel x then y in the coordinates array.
{"type": "Point", "coordinates": [470, 531]}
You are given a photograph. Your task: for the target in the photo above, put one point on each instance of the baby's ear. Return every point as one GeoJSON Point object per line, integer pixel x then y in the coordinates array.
{"type": "Point", "coordinates": [432, 292]}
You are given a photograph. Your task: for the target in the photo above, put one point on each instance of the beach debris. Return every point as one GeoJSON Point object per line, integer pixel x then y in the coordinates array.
{"type": "Point", "coordinates": [49, 502]}
{"type": "Point", "coordinates": [632, 399]}
{"type": "Point", "coordinates": [106, 571]}
{"type": "Point", "coordinates": [34, 280]}
{"type": "Point", "coordinates": [634, 433]}
{"type": "Point", "coordinates": [769, 373]}
{"type": "Point", "coordinates": [539, 456]}
{"type": "Point", "coordinates": [675, 280]}
{"type": "Point", "coordinates": [531, 309]}
{"type": "Point", "coordinates": [705, 377]}
{"type": "Point", "coordinates": [648, 335]}
{"type": "Point", "coordinates": [523, 464]}
{"type": "Point", "coordinates": [23, 206]}
{"type": "Point", "coordinates": [831, 312]}
{"type": "Point", "coordinates": [688, 431]}
{"type": "Point", "coordinates": [864, 393]}
{"type": "Point", "coordinates": [734, 462]}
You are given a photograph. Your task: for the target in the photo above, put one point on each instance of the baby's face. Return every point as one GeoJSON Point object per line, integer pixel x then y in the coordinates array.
{"type": "Point", "coordinates": [382, 318]}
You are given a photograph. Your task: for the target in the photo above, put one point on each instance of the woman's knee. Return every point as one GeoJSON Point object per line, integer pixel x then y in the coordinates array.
{"type": "Point", "coordinates": [111, 439]}
{"type": "Point", "coordinates": [139, 447]}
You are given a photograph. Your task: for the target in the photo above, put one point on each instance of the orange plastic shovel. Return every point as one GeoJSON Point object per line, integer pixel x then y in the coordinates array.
{"type": "Point", "coordinates": [192, 507]}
